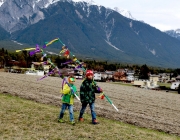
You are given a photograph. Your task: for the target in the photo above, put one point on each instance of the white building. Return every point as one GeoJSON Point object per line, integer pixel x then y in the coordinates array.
{"type": "Point", "coordinates": [175, 85]}
{"type": "Point", "coordinates": [35, 72]}
{"type": "Point", "coordinates": [130, 75]}
{"type": "Point", "coordinates": [97, 76]}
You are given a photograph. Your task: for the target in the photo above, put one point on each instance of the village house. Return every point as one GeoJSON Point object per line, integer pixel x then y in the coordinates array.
{"type": "Point", "coordinates": [154, 78]}
{"type": "Point", "coordinates": [109, 74]}
{"type": "Point", "coordinates": [164, 77]}
{"type": "Point", "coordinates": [97, 76]}
{"type": "Point", "coordinates": [124, 75]}
{"type": "Point", "coordinates": [120, 76]}
{"type": "Point", "coordinates": [140, 82]}
{"type": "Point", "coordinates": [103, 76]}
{"type": "Point", "coordinates": [121, 70]}
{"type": "Point", "coordinates": [178, 78]}
{"type": "Point", "coordinates": [130, 75]}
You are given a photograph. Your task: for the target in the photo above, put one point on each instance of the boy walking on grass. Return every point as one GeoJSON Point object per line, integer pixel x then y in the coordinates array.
{"type": "Point", "coordinates": [68, 90]}
{"type": "Point", "coordinates": [87, 95]}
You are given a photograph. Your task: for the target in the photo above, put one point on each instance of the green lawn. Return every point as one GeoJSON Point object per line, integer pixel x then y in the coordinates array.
{"type": "Point", "coordinates": [167, 85]}
{"type": "Point", "coordinates": [22, 119]}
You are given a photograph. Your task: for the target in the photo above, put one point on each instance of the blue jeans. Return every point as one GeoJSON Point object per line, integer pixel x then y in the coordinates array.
{"type": "Point", "coordinates": [83, 108]}
{"type": "Point", "coordinates": [63, 108]}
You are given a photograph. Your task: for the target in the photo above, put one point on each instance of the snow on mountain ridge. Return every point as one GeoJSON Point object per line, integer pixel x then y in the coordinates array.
{"type": "Point", "coordinates": [177, 31]}
{"type": "Point", "coordinates": [29, 11]}
{"type": "Point", "coordinates": [89, 2]}
{"type": "Point", "coordinates": [125, 13]}
{"type": "Point", "coordinates": [50, 2]}
{"type": "Point", "coordinates": [2, 2]}
{"type": "Point", "coordinates": [173, 33]}
{"type": "Point", "coordinates": [54, 1]}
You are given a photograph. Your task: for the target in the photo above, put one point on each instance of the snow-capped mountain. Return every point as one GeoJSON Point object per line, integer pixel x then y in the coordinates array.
{"type": "Point", "coordinates": [1, 2]}
{"type": "Point", "coordinates": [87, 29]}
{"type": "Point", "coordinates": [125, 13]}
{"type": "Point", "coordinates": [174, 33]}
{"type": "Point", "coordinates": [89, 2]}
{"type": "Point", "coordinates": [18, 14]}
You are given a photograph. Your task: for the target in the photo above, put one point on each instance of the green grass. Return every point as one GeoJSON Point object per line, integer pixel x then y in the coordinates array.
{"type": "Point", "coordinates": [12, 46]}
{"type": "Point", "coordinates": [167, 85]}
{"type": "Point", "coordinates": [25, 119]}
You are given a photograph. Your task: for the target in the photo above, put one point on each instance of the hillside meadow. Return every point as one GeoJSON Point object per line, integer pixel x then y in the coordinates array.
{"type": "Point", "coordinates": [156, 110]}
{"type": "Point", "coordinates": [25, 119]}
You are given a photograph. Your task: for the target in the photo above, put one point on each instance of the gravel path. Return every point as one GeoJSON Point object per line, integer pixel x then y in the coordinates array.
{"type": "Point", "coordinates": [145, 108]}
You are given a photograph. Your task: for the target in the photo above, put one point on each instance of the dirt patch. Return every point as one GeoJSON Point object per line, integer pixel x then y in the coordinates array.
{"type": "Point", "coordinates": [157, 110]}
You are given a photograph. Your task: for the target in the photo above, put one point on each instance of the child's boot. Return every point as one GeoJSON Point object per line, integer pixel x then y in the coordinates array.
{"type": "Point", "coordinates": [72, 122]}
{"type": "Point", "coordinates": [95, 121]}
{"type": "Point", "coordinates": [61, 121]}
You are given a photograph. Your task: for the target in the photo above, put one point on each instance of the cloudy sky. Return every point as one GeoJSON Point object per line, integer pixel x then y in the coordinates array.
{"type": "Point", "coordinates": [161, 14]}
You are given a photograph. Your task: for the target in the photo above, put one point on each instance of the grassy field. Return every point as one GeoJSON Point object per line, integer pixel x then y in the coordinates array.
{"type": "Point", "coordinates": [25, 119]}
{"type": "Point", "coordinates": [167, 85]}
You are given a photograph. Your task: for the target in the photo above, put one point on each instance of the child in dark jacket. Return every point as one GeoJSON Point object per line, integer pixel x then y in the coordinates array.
{"type": "Point", "coordinates": [68, 99]}
{"type": "Point", "coordinates": [87, 95]}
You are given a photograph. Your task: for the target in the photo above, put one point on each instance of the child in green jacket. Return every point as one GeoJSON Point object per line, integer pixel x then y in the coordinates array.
{"type": "Point", "coordinates": [68, 90]}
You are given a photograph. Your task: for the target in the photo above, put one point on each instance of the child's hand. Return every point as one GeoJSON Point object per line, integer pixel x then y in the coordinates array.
{"type": "Point", "coordinates": [101, 96]}
{"type": "Point", "coordinates": [99, 89]}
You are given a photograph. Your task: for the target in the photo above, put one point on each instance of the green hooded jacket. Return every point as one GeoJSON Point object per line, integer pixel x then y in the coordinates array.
{"type": "Point", "coordinates": [68, 96]}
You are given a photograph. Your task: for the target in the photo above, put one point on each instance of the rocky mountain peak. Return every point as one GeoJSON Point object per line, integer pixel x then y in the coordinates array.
{"type": "Point", "coordinates": [2, 2]}
{"type": "Point", "coordinates": [174, 33]}
{"type": "Point", "coordinates": [125, 13]}
{"type": "Point", "coordinates": [18, 14]}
